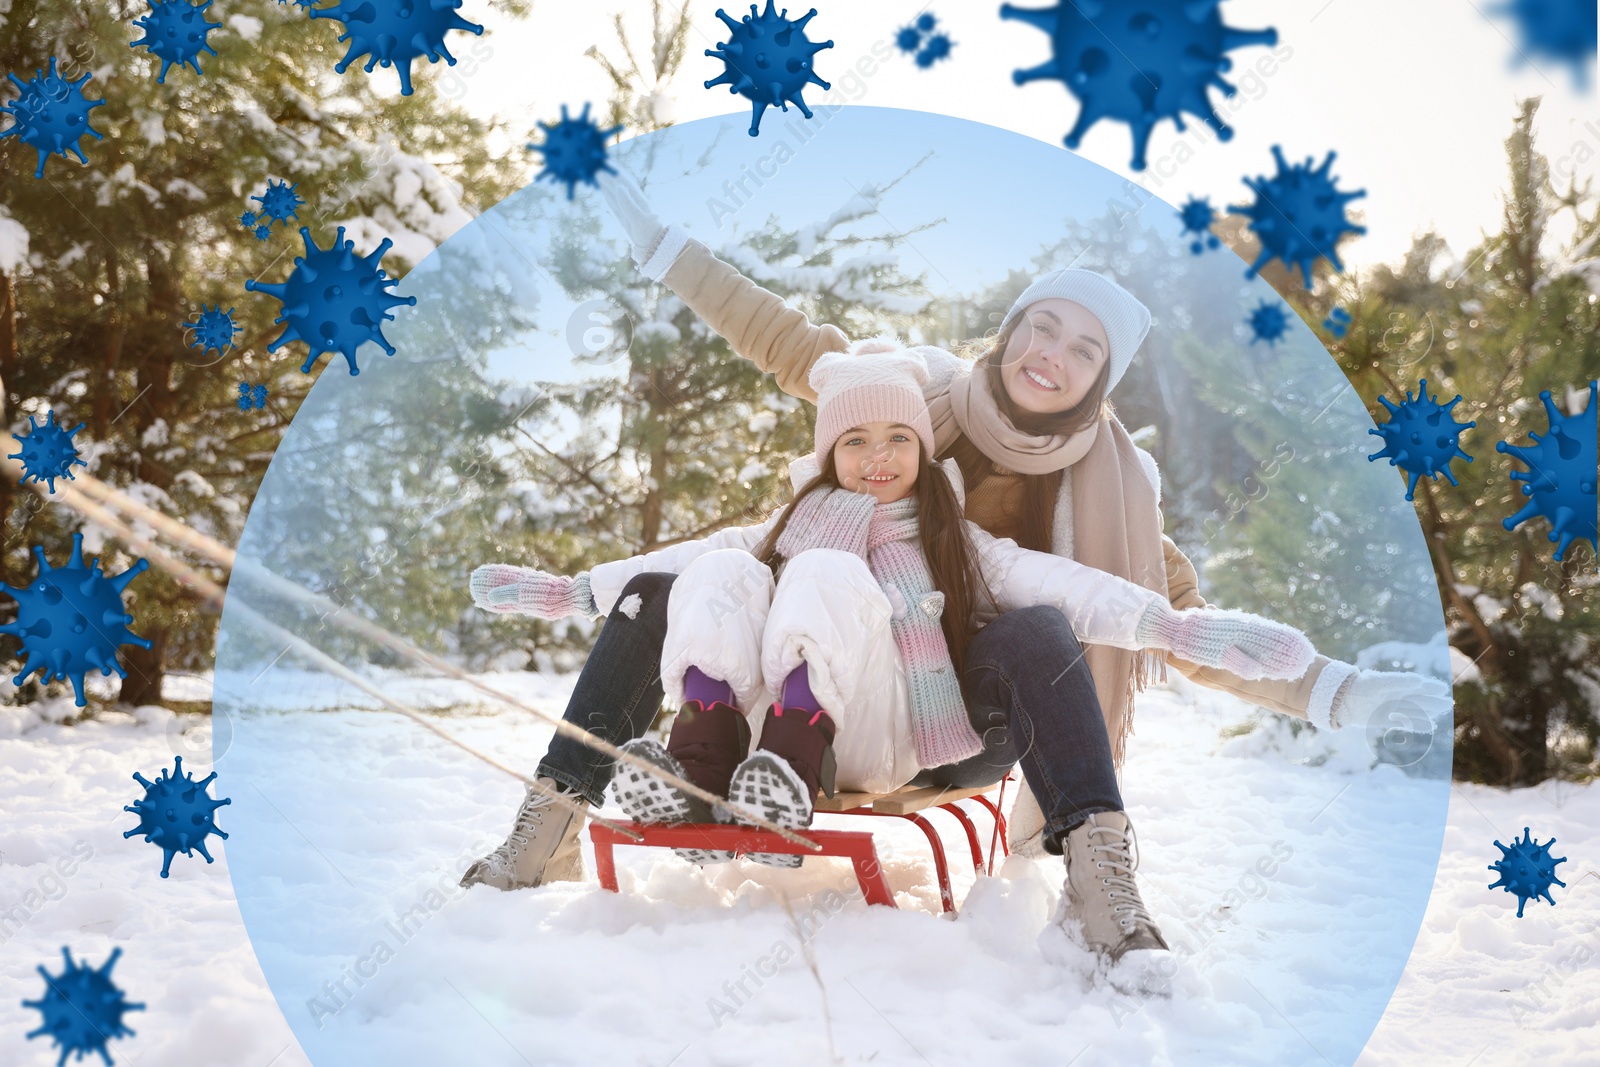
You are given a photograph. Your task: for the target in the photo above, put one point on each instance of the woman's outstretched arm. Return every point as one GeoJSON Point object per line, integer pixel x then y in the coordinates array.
{"type": "Point", "coordinates": [1107, 610]}
{"type": "Point", "coordinates": [1310, 696]}
{"type": "Point", "coordinates": [757, 323]}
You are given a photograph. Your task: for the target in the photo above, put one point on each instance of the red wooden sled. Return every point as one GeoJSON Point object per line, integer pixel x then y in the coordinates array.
{"type": "Point", "coordinates": [855, 845]}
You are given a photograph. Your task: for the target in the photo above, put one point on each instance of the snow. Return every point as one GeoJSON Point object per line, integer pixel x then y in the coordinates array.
{"type": "Point", "coordinates": [417, 207]}
{"type": "Point", "coordinates": [157, 433]}
{"type": "Point", "coordinates": [1433, 659]}
{"type": "Point", "coordinates": [246, 26]}
{"type": "Point", "coordinates": [154, 129]}
{"type": "Point", "coordinates": [1245, 858]}
{"type": "Point", "coordinates": [13, 242]}
{"type": "Point", "coordinates": [186, 188]}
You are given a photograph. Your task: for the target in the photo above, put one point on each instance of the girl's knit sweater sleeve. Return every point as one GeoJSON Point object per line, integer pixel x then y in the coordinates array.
{"type": "Point", "coordinates": [756, 322]}
{"type": "Point", "coordinates": [606, 580]}
{"type": "Point", "coordinates": [1101, 608]}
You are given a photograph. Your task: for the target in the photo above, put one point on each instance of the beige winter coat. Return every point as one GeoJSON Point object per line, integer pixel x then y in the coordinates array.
{"type": "Point", "coordinates": [762, 328]}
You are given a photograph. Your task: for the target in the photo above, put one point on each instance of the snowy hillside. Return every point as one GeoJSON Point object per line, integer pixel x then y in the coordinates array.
{"type": "Point", "coordinates": [570, 974]}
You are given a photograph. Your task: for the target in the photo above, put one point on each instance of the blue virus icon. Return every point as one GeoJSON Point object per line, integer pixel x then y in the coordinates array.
{"type": "Point", "coordinates": [1564, 31]}
{"type": "Point", "coordinates": [1526, 869]}
{"type": "Point", "coordinates": [176, 814]}
{"type": "Point", "coordinates": [278, 204]}
{"type": "Point", "coordinates": [48, 452]}
{"type": "Point", "coordinates": [1138, 61]}
{"type": "Point", "coordinates": [334, 300]}
{"type": "Point", "coordinates": [1337, 322]}
{"type": "Point", "coordinates": [937, 48]}
{"type": "Point", "coordinates": [1268, 323]}
{"type": "Point", "coordinates": [51, 116]}
{"type": "Point", "coordinates": [1298, 215]}
{"type": "Point", "coordinates": [1198, 216]}
{"type": "Point", "coordinates": [252, 396]}
{"type": "Point", "coordinates": [248, 220]}
{"type": "Point", "coordinates": [71, 619]}
{"type": "Point", "coordinates": [1421, 437]}
{"type": "Point", "coordinates": [175, 32]}
{"type": "Point", "coordinates": [82, 1008]}
{"type": "Point", "coordinates": [263, 231]}
{"type": "Point", "coordinates": [213, 329]}
{"type": "Point", "coordinates": [396, 32]}
{"type": "Point", "coordinates": [1560, 479]}
{"type": "Point", "coordinates": [768, 60]}
{"type": "Point", "coordinates": [574, 150]}
{"type": "Point", "coordinates": [918, 38]}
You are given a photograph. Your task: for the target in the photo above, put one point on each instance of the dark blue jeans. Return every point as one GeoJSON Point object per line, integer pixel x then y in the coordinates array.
{"type": "Point", "coordinates": [1031, 698]}
{"type": "Point", "coordinates": [1029, 695]}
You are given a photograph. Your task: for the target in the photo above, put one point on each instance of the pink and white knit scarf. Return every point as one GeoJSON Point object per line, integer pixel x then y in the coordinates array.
{"type": "Point", "coordinates": [887, 538]}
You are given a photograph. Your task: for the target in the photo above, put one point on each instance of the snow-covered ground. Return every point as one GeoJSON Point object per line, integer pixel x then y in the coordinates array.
{"type": "Point", "coordinates": [1276, 861]}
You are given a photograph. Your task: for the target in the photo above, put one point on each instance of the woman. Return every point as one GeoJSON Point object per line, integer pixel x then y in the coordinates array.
{"type": "Point", "coordinates": [1045, 463]}
{"type": "Point", "coordinates": [855, 605]}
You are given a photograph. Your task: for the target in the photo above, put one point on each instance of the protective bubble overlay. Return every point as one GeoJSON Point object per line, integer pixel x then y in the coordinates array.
{"type": "Point", "coordinates": [351, 825]}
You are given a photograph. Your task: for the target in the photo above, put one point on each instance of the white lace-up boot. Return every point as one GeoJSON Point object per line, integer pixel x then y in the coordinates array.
{"type": "Point", "coordinates": [542, 847]}
{"type": "Point", "coordinates": [1101, 896]}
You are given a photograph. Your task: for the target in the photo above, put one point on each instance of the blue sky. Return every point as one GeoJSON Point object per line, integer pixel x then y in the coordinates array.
{"type": "Point", "coordinates": [1417, 98]}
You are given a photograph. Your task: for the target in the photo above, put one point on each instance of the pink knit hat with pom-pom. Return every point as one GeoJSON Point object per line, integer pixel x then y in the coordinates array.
{"type": "Point", "coordinates": [876, 381]}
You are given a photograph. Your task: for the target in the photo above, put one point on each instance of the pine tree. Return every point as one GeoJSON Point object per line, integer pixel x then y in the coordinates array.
{"type": "Point", "coordinates": [685, 437]}
{"type": "Point", "coordinates": [1516, 317]}
{"type": "Point", "coordinates": [125, 250]}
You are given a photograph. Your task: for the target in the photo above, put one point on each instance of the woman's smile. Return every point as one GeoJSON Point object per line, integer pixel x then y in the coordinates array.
{"type": "Point", "coordinates": [1039, 380]}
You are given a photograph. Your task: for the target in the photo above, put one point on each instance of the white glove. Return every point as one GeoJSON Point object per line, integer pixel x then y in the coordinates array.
{"type": "Point", "coordinates": [1243, 644]}
{"type": "Point", "coordinates": [655, 245]}
{"type": "Point", "coordinates": [507, 590]}
{"type": "Point", "coordinates": [1392, 701]}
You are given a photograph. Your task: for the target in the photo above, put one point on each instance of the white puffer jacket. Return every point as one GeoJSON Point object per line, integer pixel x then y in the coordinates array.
{"type": "Point", "coordinates": [836, 621]}
{"type": "Point", "coordinates": [1102, 608]}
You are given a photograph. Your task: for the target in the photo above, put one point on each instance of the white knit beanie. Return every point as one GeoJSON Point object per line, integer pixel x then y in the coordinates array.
{"type": "Point", "coordinates": [854, 388]}
{"type": "Point", "coordinates": [1124, 318]}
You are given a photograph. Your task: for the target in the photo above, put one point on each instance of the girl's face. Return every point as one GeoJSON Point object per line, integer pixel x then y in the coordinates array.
{"type": "Point", "coordinates": [879, 458]}
{"type": "Point", "coordinates": [1054, 356]}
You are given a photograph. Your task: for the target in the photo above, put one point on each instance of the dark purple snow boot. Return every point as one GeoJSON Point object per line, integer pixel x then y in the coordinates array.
{"type": "Point", "coordinates": [709, 742]}
{"type": "Point", "coordinates": [704, 747]}
{"type": "Point", "coordinates": [781, 779]}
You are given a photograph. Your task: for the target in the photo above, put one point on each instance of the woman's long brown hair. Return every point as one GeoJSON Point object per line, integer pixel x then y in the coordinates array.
{"type": "Point", "coordinates": [1035, 529]}
{"type": "Point", "coordinates": [952, 559]}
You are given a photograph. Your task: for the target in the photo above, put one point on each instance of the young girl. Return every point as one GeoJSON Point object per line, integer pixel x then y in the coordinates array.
{"type": "Point", "coordinates": [835, 632]}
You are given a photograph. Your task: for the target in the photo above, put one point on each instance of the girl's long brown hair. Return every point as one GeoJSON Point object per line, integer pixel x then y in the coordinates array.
{"type": "Point", "coordinates": [952, 559]}
{"type": "Point", "coordinates": [1036, 523]}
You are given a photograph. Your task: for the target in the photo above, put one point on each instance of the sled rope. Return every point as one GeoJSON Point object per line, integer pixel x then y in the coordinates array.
{"type": "Point", "coordinates": [93, 499]}
{"type": "Point", "coordinates": [213, 594]}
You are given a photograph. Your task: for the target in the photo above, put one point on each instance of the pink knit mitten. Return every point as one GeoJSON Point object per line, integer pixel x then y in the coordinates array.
{"type": "Point", "coordinates": [507, 590]}
{"type": "Point", "coordinates": [1243, 644]}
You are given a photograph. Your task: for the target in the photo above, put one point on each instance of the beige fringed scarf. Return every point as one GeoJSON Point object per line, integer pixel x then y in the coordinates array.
{"type": "Point", "coordinates": [1116, 524]}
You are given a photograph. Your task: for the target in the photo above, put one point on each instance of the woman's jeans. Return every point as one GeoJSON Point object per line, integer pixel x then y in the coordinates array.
{"type": "Point", "coordinates": [1029, 692]}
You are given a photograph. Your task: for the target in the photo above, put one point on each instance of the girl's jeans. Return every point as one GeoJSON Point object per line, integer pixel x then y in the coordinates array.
{"type": "Point", "coordinates": [1029, 695]}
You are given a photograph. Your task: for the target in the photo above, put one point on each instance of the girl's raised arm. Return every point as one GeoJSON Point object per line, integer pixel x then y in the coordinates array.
{"type": "Point", "coordinates": [756, 322]}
